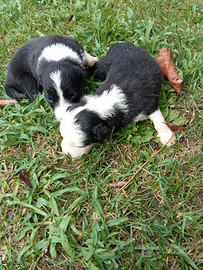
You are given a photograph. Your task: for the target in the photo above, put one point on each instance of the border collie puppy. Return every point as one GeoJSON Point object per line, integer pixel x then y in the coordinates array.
{"type": "Point", "coordinates": [130, 93]}
{"type": "Point", "coordinates": [52, 63]}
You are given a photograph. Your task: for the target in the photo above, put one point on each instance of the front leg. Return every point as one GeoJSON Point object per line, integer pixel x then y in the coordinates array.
{"type": "Point", "coordinates": [164, 132]}
{"type": "Point", "coordinates": [89, 60]}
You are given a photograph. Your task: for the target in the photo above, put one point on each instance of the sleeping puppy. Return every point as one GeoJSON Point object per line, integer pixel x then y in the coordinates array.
{"type": "Point", "coordinates": [130, 93]}
{"type": "Point", "coordinates": [52, 63]}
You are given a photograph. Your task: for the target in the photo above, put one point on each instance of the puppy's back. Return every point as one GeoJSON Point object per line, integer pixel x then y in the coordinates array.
{"type": "Point", "coordinates": [134, 71]}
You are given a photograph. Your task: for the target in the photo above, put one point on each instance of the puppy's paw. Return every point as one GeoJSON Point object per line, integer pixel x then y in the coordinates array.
{"type": "Point", "coordinates": [89, 60]}
{"type": "Point", "coordinates": [166, 136]}
{"type": "Point", "coordinates": [164, 133]}
{"type": "Point", "coordinates": [93, 61]}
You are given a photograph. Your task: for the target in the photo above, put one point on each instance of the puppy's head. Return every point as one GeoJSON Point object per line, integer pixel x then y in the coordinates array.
{"type": "Point", "coordinates": [80, 128]}
{"type": "Point", "coordinates": [62, 83]}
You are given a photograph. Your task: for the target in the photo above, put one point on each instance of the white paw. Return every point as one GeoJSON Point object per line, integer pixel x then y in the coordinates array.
{"type": "Point", "coordinates": [166, 136]}
{"type": "Point", "coordinates": [164, 133]}
{"type": "Point", "coordinates": [92, 61]}
{"type": "Point", "coordinates": [89, 60]}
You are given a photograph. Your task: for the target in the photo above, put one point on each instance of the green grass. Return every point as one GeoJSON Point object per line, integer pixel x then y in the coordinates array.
{"type": "Point", "coordinates": [72, 219]}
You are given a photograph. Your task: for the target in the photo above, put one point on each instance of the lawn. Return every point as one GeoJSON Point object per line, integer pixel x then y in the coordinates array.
{"type": "Point", "coordinates": [75, 217]}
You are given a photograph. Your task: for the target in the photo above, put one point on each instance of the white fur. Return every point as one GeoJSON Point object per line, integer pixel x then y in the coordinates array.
{"type": "Point", "coordinates": [164, 132]}
{"type": "Point", "coordinates": [73, 136]}
{"type": "Point", "coordinates": [89, 60]}
{"type": "Point", "coordinates": [104, 105]}
{"type": "Point", "coordinates": [140, 117]}
{"type": "Point", "coordinates": [57, 52]}
{"type": "Point", "coordinates": [56, 78]}
{"type": "Point", "coordinates": [69, 129]}
{"type": "Point", "coordinates": [62, 106]}
{"type": "Point", "coordinates": [74, 151]}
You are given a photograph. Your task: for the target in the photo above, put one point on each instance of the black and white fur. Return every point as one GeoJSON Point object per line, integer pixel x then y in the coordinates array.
{"type": "Point", "coordinates": [52, 63]}
{"type": "Point", "coordinates": [130, 93]}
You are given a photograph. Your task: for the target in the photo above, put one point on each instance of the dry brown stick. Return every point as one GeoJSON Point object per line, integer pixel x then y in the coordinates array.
{"type": "Point", "coordinates": [4, 129]}
{"type": "Point", "coordinates": [111, 185]}
{"type": "Point", "coordinates": [171, 41]}
{"type": "Point", "coordinates": [145, 164]}
{"type": "Point", "coordinates": [119, 184]}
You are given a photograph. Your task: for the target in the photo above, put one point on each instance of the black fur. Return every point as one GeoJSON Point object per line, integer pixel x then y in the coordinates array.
{"type": "Point", "coordinates": [25, 81]}
{"type": "Point", "coordinates": [134, 71]}
{"type": "Point", "coordinates": [95, 128]}
{"type": "Point", "coordinates": [130, 93]}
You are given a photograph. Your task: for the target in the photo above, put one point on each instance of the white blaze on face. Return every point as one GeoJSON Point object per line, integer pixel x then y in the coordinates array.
{"type": "Point", "coordinates": [57, 52]}
{"type": "Point", "coordinates": [74, 151]}
{"type": "Point", "coordinates": [62, 105]}
{"type": "Point", "coordinates": [103, 105]}
{"type": "Point", "coordinates": [73, 136]}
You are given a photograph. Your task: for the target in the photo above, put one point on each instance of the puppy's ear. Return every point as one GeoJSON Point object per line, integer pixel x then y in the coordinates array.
{"type": "Point", "coordinates": [80, 72]}
{"type": "Point", "coordinates": [100, 132]}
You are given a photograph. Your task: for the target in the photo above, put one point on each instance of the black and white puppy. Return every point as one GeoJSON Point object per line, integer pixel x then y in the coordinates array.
{"type": "Point", "coordinates": [52, 63]}
{"type": "Point", "coordinates": [130, 93]}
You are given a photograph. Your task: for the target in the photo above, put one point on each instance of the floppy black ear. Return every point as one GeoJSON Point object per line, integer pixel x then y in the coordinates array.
{"type": "Point", "coordinates": [100, 132]}
{"type": "Point", "coordinates": [80, 72]}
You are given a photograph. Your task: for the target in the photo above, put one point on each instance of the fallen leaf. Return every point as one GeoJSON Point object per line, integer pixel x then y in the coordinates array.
{"type": "Point", "coordinates": [175, 128]}
{"type": "Point", "coordinates": [24, 176]}
{"type": "Point", "coordinates": [168, 69]}
{"type": "Point", "coordinates": [4, 102]}
{"type": "Point", "coordinates": [70, 18]}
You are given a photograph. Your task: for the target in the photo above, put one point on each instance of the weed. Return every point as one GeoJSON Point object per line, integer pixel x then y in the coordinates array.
{"type": "Point", "coordinates": [62, 223]}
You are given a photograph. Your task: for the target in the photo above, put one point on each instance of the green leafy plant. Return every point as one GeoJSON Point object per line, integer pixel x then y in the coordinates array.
{"type": "Point", "coordinates": [72, 218]}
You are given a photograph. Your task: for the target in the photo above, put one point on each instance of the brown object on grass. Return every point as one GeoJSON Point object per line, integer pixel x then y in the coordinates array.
{"type": "Point", "coordinates": [70, 18]}
{"type": "Point", "coordinates": [110, 185]}
{"type": "Point", "coordinates": [175, 128]}
{"type": "Point", "coordinates": [168, 69]}
{"type": "Point", "coordinates": [24, 176]}
{"type": "Point", "coordinates": [4, 102]}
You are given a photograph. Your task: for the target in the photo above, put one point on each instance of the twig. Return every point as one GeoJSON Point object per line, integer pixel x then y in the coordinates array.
{"type": "Point", "coordinates": [126, 183]}
{"type": "Point", "coordinates": [171, 41]}
{"type": "Point", "coordinates": [4, 129]}
{"type": "Point", "coordinates": [111, 185]}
